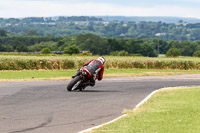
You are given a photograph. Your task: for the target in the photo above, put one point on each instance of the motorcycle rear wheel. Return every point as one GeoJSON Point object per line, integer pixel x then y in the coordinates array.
{"type": "Point", "coordinates": [74, 82]}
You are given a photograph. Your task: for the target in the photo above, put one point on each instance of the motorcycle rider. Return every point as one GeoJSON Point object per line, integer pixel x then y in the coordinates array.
{"type": "Point", "coordinates": [95, 68]}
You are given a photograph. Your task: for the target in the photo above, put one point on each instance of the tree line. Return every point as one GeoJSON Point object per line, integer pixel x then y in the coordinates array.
{"type": "Point", "coordinates": [96, 45]}
{"type": "Point", "coordinates": [59, 26]}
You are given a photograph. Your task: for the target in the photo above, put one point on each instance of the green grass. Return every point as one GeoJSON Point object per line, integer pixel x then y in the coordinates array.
{"type": "Point", "coordinates": [147, 72]}
{"type": "Point", "coordinates": [174, 110]}
{"type": "Point", "coordinates": [66, 74]}
{"type": "Point", "coordinates": [36, 74]}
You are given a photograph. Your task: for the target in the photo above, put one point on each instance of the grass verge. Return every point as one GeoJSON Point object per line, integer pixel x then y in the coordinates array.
{"type": "Point", "coordinates": [66, 74]}
{"type": "Point", "coordinates": [174, 110]}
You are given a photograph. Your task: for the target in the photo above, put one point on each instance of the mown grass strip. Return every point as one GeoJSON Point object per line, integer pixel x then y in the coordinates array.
{"type": "Point", "coordinates": [36, 74]}
{"type": "Point", "coordinates": [174, 110]}
{"type": "Point", "coordinates": [66, 74]}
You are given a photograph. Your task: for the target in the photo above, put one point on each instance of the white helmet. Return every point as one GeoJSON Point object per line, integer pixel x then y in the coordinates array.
{"type": "Point", "coordinates": [101, 59]}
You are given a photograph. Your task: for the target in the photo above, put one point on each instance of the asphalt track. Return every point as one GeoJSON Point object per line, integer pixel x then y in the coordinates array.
{"type": "Point", "coordinates": [47, 107]}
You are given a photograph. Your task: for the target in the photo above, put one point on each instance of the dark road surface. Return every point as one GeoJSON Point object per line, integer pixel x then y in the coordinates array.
{"type": "Point", "coordinates": [47, 107]}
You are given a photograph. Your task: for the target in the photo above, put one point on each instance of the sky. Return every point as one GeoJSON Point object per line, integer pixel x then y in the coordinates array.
{"type": "Point", "coordinates": [48, 8]}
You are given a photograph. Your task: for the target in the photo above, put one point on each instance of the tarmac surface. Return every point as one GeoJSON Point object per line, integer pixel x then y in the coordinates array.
{"type": "Point", "coordinates": [47, 107]}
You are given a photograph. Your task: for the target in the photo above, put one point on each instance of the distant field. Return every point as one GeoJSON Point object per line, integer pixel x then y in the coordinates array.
{"type": "Point", "coordinates": [174, 110]}
{"type": "Point", "coordinates": [112, 62]}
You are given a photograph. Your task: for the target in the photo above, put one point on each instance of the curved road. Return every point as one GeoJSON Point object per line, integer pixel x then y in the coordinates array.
{"type": "Point", "coordinates": [46, 106]}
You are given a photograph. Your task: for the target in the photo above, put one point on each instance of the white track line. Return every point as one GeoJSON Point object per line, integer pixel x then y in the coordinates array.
{"type": "Point", "coordinates": [87, 130]}
{"type": "Point", "coordinates": [138, 105]}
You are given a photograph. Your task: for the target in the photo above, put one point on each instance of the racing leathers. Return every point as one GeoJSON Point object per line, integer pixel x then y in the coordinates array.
{"type": "Point", "coordinates": [95, 71]}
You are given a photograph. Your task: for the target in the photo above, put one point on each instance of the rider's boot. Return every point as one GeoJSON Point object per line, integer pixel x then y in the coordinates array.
{"type": "Point", "coordinates": [92, 81]}
{"type": "Point", "coordinates": [92, 84]}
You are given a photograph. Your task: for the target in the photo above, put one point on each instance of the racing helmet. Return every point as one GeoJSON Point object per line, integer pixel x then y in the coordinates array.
{"type": "Point", "coordinates": [101, 59]}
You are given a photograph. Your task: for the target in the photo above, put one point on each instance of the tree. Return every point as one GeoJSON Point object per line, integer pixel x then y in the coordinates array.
{"type": "Point", "coordinates": [60, 43]}
{"type": "Point", "coordinates": [48, 44]}
{"type": "Point", "coordinates": [133, 46]}
{"type": "Point", "coordinates": [21, 48]}
{"type": "Point", "coordinates": [2, 48]}
{"type": "Point", "coordinates": [187, 50]}
{"type": "Point", "coordinates": [66, 42]}
{"type": "Point", "coordinates": [114, 45]}
{"type": "Point", "coordinates": [32, 33]}
{"type": "Point", "coordinates": [8, 48]}
{"type": "Point", "coordinates": [148, 50]}
{"type": "Point", "coordinates": [123, 53]}
{"type": "Point", "coordinates": [173, 52]}
{"type": "Point", "coordinates": [45, 51]}
{"type": "Point", "coordinates": [196, 53]}
{"type": "Point", "coordinates": [2, 33]}
{"type": "Point", "coordinates": [180, 21]}
{"type": "Point", "coordinates": [73, 49]}
{"type": "Point", "coordinates": [93, 43]}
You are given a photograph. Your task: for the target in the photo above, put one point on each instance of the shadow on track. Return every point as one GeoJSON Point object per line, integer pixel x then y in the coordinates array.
{"type": "Point", "coordinates": [96, 91]}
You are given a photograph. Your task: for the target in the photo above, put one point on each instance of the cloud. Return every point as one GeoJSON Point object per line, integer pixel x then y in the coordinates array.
{"type": "Point", "coordinates": [44, 8]}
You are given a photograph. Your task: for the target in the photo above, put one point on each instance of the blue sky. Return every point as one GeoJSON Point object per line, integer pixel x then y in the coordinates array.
{"type": "Point", "coordinates": [45, 8]}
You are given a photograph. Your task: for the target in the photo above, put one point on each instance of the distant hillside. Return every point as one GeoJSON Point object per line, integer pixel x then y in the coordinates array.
{"type": "Point", "coordinates": [152, 19]}
{"type": "Point", "coordinates": [124, 18]}
{"type": "Point", "coordinates": [167, 28]}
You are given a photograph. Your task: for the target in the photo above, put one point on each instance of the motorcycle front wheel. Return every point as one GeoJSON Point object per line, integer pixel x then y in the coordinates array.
{"type": "Point", "coordinates": [74, 83]}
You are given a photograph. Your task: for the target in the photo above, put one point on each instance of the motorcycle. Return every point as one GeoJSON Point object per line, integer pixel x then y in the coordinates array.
{"type": "Point", "coordinates": [80, 81]}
